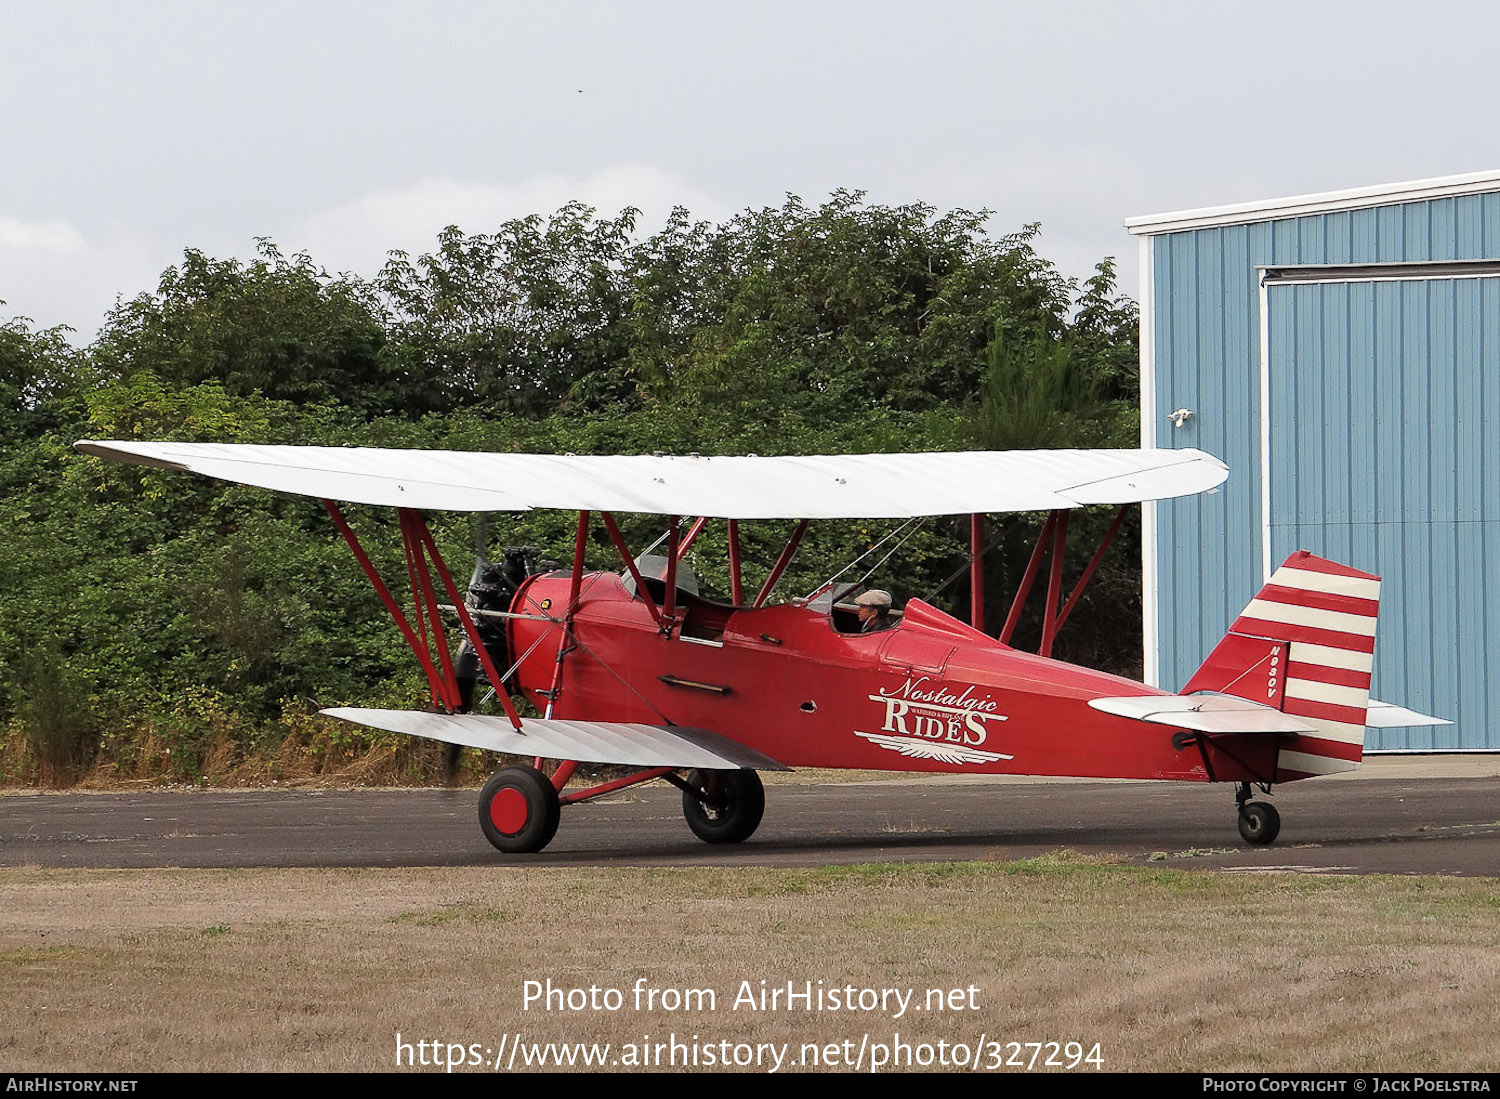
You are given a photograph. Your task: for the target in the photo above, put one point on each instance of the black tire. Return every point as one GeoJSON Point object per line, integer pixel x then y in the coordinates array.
{"type": "Point", "coordinates": [724, 806]}
{"type": "Point", "coordinates": [519, 824]}
{"type": "Point", "coordinates": [1259, 822]}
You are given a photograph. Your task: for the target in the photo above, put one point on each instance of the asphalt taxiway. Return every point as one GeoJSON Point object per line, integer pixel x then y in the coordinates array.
{"type": "Point", "coordinates": [1401, 816]}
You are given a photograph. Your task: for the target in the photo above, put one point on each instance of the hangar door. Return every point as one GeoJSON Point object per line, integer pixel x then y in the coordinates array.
{"type": "Point", "coordinates": [1381, 434]}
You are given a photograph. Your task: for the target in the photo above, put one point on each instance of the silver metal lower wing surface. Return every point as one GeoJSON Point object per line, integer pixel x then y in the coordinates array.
{"type": "Point", "coordinates": [623, 742]}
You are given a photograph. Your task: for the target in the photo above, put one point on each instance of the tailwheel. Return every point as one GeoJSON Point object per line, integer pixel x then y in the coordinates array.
{"type": "Point", "coordinates": [723, 806]}
{"type": "Point", "coordinates": [1259, 822]}
{"type": "Point", "coordinates": [519, 810]}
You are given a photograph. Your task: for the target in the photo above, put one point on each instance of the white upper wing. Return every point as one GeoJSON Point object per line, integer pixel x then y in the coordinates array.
{"type": "Point", "coordinates": [843, 486]}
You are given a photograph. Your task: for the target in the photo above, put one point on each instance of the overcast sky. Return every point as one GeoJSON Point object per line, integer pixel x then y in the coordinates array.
{"type": "Point", "coordinates": [131, 130]}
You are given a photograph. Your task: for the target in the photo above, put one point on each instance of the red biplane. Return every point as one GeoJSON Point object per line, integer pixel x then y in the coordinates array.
{"type": "Point", "coordinates": [635, 668]}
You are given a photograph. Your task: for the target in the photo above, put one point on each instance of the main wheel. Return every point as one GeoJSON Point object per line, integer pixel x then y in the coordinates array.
{"type": "Point", "coordinates": [519, 810]}
{"type": "Point", "coordinates": [1259, 822]}
{"type": "Point", "coordinates": [724, 806]}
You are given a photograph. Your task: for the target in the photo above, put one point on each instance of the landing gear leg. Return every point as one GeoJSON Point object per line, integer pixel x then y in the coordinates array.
{"type": "Point", "coordinates": [1259, 820]}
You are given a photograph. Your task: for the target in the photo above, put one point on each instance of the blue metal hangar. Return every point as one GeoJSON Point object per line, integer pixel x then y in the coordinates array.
{"type": "Point", "coordinates": [1341, 352]}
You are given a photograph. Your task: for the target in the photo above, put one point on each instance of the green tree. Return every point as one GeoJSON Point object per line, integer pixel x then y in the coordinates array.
{"type": "Point", "coordinates": [848, 307]}
{"type": "Point", "coordinates": [1105, 331]}
{"type": "Point", "coordinates": [518, 318]}
{"type": "Point", "coordinates": [278, 326]}
{"type": "Point", "coordinates": [1061, 387]}
{"type": "Point", "coordinates": [37, 368]}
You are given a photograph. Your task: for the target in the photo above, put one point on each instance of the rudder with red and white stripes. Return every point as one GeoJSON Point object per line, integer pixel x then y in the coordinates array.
{"type": "Point", "coordinates": [1305, 645]}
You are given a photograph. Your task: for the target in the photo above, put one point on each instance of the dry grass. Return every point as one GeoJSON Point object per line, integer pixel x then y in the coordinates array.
{"type": "Point", "coordinates": [1168, 969]}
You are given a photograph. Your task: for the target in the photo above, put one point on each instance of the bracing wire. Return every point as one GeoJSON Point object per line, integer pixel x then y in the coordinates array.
{"type": "Point", "coordinates": [930, 596]}
{"type": "Point", "coordinates": [826, 584]}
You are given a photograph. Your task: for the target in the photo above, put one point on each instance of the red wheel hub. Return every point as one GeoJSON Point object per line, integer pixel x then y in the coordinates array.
{"type": "Point", "coordinates": [508, 811]}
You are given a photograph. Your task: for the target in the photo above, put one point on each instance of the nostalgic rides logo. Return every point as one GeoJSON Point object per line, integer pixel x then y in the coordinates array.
{"type": "Point", "coordinates": [927, 720]}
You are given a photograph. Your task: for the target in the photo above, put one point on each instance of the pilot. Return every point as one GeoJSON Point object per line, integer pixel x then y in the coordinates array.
{"type": "Point", "coordinates": [874, 610]}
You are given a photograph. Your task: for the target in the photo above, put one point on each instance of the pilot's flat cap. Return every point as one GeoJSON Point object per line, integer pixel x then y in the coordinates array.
{"type": "Point", "coordinates": [875, 597]}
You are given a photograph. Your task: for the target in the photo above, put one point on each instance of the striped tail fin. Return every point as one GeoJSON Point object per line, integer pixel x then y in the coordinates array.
{"type": "Point", "coordinates": [1305, 645]}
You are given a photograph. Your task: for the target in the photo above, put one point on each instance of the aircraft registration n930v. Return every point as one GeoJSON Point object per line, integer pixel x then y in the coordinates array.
{"type": "Point", "coordinates": [635, 668]}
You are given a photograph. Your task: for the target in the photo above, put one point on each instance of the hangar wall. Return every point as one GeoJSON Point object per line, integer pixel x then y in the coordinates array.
{"type": "Point", "coordinates": [1341, 353]}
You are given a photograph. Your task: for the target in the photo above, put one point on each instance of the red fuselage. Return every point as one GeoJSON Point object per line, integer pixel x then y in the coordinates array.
{"type": "Point", "coordinates": [929, 694]}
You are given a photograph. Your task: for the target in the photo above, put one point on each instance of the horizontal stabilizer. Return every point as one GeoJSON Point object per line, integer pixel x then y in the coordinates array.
{"type": "Point", "coordinates": [1208, 713]}
{"type": "Point", "coordinates": [1387, 715]}
{"type": "Point", "coordinates": [625, 742]}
